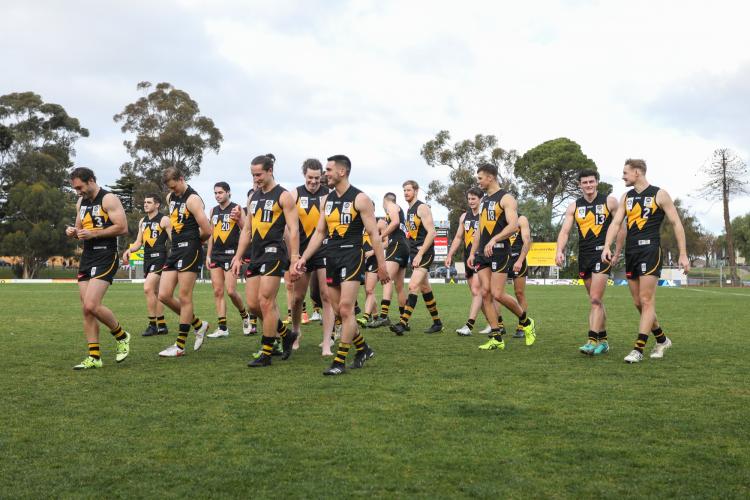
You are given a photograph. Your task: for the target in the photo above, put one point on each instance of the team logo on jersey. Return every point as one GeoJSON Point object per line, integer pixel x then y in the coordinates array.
{"type": "Point", "coordinates": [599, 209]}
{"type": "Point", "coordinates": [346, 207]}
{"type": "Point", "coordinates": [96, 210]}
{"type": "Point", "coordinates": [629, 203]}
{"type": "Point", "coordinates": [214, 219]}
{"type": "Point", "coordinates": [253, 206]}
{"type": "Point", "coordinates": [581, 212]}
{"type": "Point", "coordinates": [82, 213]}
{"type": "Point", "coordinates": [648, 201]}
{"type": "Point", "coordinates": [304, 202]}
{"type": "Point", "coordinates": [268, 205]}
{"type": "Point", "coordinates": [329, 207]}
{"type": "Point", "coordinates": [491, 206]}
{"type": "Point", "coordinates": [467, 225]}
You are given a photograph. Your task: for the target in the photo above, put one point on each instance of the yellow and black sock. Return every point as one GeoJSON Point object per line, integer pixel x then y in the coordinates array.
{"type": "Point", "coordinates": [593, 337]}
{"type": "Point", "coordinates": [118, 333]}
{"type": "Point", "coordinates": [94, 350]}
{"type": "Point", "coordinates": [267, 345]}
{"type": "Point", "coordinates": [161, 322]}
{"type": "Point", "coordinates": [281, 329]}
{"type": "Point", "coordinates": [603, 336]}
{"type": "Point", "coordinates": [359, 342]}
{"type": "Point", "coordinates": [385, 306]}
{"type": "Point", "coordinates": [197, 323]}
{"type": "Point", "coordinates": [182, 335]}
{"type": "Point", "coordinates": [497, 334]}
{"type": "Point", "coordinates": [152, 321]}
{"type": "Point", "coordinates": [223, 323]}
{"type": "Point", "coordinates": [304, 306]}
{"type": "Point", "coordinates": [367, 316]}
{"type": "Point", "coordinates": [470, 323]}
{"type": "Point", "coordinates": [341, 353]}
{"type": "Point", "coordinates": [338, 320]}
{"type": "Point", "coordinates": [411, 301]}
{"type": "Point", "coordinates": [243, 314]}
{"type": "Point", "coordinates": [659, 335]}
{"type": "Point", "coordinates": [253, 319]}
{"type": "Point", "coordinates": [401, 309]}
{"type": "Point", "coordinates": [640, 342]}
{"type": "Point", "coordinates": [524, 320]}
{"type": "Point", "coordinates": [431, 304]}
{"type": "Point", "coordinates": [500, 323]}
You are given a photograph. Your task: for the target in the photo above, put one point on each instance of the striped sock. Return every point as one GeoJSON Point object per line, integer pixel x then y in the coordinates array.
{"type": "Point", "coordinates": [94, 350]}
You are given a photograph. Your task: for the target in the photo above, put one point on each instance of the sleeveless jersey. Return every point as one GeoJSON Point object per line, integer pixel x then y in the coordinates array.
{"type": "Point", "coordinates": [95, 218]}
{"type": "Point", "coordinates": [154, 236]}
{"type": "Point", "coordinates": [516, 242]}
{"type": "Point", "coordinates": [345, 226]}
{"type": "Point", "coordinates": [644, 218]}
{"type": "Point", "coordinates": [399, 235]}
{"type": "Point", "coordinates": [226, 231]}
{"type": "Point", "coordinates": [416, 230]}
{"type": "Point", "coordinates": [471, 224]}
{"type": "Point", "coordinates": [308, 211]}
{"type": "Point", "coordinates": [268, 223]}
{"type": "Point", "coordinates": [184, 226]}
{"type": "Point", "coordinates": [593, 219]}
{"type": "Point", "coordinates": [491, 217]}
{"type": "Point", "coordinates": [366, 243]}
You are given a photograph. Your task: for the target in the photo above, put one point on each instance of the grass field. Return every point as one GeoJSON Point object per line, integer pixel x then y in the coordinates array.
{"type": "Point", "coordinates": [429, 416]}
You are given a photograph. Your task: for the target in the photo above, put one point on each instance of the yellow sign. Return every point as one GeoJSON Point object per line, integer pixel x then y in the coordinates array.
{"type": "Point", "coordinates": [542, 254]}
{"type": "Point", "coordinates": [136, 256]}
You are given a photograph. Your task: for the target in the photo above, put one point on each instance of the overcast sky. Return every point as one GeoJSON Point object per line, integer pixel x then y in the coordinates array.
{"type": "Point", "coordinates": [667, 81]}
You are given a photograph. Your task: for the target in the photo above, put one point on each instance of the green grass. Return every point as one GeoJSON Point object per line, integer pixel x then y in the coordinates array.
{"type": "Point", "coordinates": [429, 416]}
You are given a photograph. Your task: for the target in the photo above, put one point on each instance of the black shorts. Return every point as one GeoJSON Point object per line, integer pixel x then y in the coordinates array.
{"type": "Point", "coordinates": [154, 262]}
{"type": "Point", "coordinates": [500, 262]}
{"type": "Point", "coordinates": [221, 261]}
{"type": "Point", "coordinates": [520, 274]}
{"type": "Point", "coordinates": [644, 261]}
{"type": "Point", "coordinates": [427, 257]}
{"type": "Point", "coordinates": [345, 264]}
{"type": "Point", "coordinates": [397, 251]}
{"type": "Point", "coordinates": [371, 264]}
{"type": "Point", "coordinates": [100, 266]}
{"type": "Point", "coordinates": [276, 267]}
{"type": "Point", "coordinates": [591, 263]}
{"type": "Point", "coordinates": [185, 257]}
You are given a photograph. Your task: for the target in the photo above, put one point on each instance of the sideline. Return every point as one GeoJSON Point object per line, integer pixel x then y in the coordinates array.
{"type": "Point", "coordinates": [718, 292]}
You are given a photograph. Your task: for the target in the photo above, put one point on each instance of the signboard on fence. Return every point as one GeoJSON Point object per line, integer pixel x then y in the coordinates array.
{"type": "Point", "coordinates": [542, 254]}
{"type": "Point", "coordinates": [441, 244]}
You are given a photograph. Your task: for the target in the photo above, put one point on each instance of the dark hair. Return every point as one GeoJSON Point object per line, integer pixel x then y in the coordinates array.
{"type": "Point", "coordinates": [343, 161]}
{"type": "Point", "coordinates": [223, 185]}
{"type": "Point", "coordinates": [487, 168]}
{"type": "Point", "coordinates": [637, 164]}
{"type": "Point", "coordinates": [475, 191]}
{"type": "Point", "coordinates": [83, 173]}
{"type": "Point", "coordinates": [390, 196]}
{"type": "Point", "coordinates": [588, 172]}
{"type": "Point", "coordinates": [250, 191]}
{"type": "Point", "coordinates": [153, 196]}
{"type": "Point", "coordinates": [311, 164]}
{"type": "Point", "coordinates": [266, 161]}
{"type": "Point", "coordinates": [411, 183]}
{"type": "Point", "coordinates": [172, 174]}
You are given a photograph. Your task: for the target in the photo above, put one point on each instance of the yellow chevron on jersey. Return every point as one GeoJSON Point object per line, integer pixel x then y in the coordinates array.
{"type": "Point", "coordinates": [95, 221]}
{"type": "Point", "coordinates": [639, 216]}
{"type": "Point", "coordinates": [413, 223]}
{"type": "Point", "coordinates": [309, 219]}
{"type": "Point", "coordinates": [366, 238]}
{"type": "Point", "coordinates": [265, 217]}
{"type": "Point", "coordinates": [339, 222]}
{"type": "Point", "coordinates": [468, 233]}
{"type": "Point", "coordinates": [150, 233]}
{"type": "Point", "coordinates": [178, 216]}
{"type": "Point", "coordinates": [223, 226]}
{"type": "Point", "coordinates": [491, 213]}
{"type": "Point", "coordinates": [592, 220]}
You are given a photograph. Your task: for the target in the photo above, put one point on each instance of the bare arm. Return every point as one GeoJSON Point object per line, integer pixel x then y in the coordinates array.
{"type": "Point", "coordinates": [245, 236]}
{"type": "Point", "coordinates": [393, 225]}
{"type": "Point", "coordinates": [562, 237]}
{"type": "Point", "coordinates": [523, 224]}
{"type": "Point", "coordinates": [614, 227]}
{"type": "Point", "coordinates": [364, 206]}
{"type": "Point", "coordinates": [112, 205]}
{"type": "Point", "coordinates": [457, 240]}
{"type": "Point", "coordinates": [665, 202]}
{"type": "Point", "coordinates": [138, 243]}
{"type": "Point", "coordinates": [510, 208]}
{"type": "Point", "coordinates": [210, 245]}
{"type": "Point", "coordinates": [292, 225]}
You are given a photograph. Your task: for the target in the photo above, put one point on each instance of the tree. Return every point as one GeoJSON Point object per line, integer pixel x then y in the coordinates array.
{"type": "Point", "coordinates": [35, 225]}
{"type": "Point", "coordinates": [169, 131]}
{"type": "Point", "coordinates": [549, 171]}
{"type": "Point", "coordinates": [462, 159]}
{"type": "Point", "coordinates": [726, 175]}
{"type": "Point", "coordinates": [741, 233]}
{"type": "Point", "coordinates": [693, 235]}
{"type": "Point", "coordinates": [36, 147]}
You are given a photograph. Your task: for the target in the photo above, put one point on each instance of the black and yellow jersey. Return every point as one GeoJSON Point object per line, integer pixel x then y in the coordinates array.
{"type": "Point", "coordinates": [593, 219]}
{"type": "Point", "coordinates": [366, 243]}
{"type": "Point", "coordinates": [345, 226]}
{"type": "Point", "coordinates": [95, 218]}
{"type": "Point", "coordinates": [399, 235]}
{"type": "Point", "coordinates": [491, 217]}
{"type": "Point", "coordinates": [184, 226]}
{"type": "Point", "coordinates": [308, 211]}
{"type": "Point", "coordinates": [516, 241]}
{"type": "Point", "coordinates": [154, 236]}
{"type": "Point", "coordinates": [268, 223]}
{"type": "Point", "coordinates": [416, 230]}
{"type": "Point", "coordinates": [226, 232]}
{"type": "Point", "coordinates": [644, 218]}
{"type": "Point", "coordinates": [471, 225]}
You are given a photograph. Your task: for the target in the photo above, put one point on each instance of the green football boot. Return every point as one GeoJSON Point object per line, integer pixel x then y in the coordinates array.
{"type": "Point", "coordinates": [492, 344]}
{"type": "Point", "coordinates": [588, 348]}
{"type": "Point", "coordinates": [122, 348]}
{"type": "Point", "coordinates": [529, 332]}
{"type": "Point", "coordinates": [602, 348]}
{"type": "Point", "coordinates": [88, 363]}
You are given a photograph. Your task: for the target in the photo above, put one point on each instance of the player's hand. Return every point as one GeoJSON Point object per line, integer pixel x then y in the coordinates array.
{"type": "Point", "coordinates": [416, 260]}
{"type": "Point", "coordinates": [208, 262]}
{"type": "Point", "coordinates": [607, 255]}
{"type": "Point", "coordinates": [470, 260]}
{"type": "Point", "coordinates": [488, 249]}
{"type": "Point", "coordinates": [383, 275]}
{"type": "Point", "coordinates": [299, 266]}
{"type": "Point", "coordinates": [560, 259]}
{"type": "Point", "coordinates": [235, 213]}
{"type": "Point", "coordinates": [85, 234]}
{"type": "Point", "coordinates": [126, 257]}
{"type": "Point", "coordinates": [517, 266]}
{"type": "Point", "coordinates": [448, 261]}
{"type": "Point", "coordinates": [615, 258]}
{"type": "Point", "coordinates": [684, 263]}
{"type": "Point", "coordinates": [236, 265]}
{"type": "Point", "coordinates": [71, 232]}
